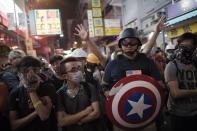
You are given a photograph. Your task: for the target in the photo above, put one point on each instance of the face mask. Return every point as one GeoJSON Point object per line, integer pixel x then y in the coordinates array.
{"type": "Point", "coordinates": [91, 67]}
{"type": "Point", "coordinates": [77, 77]}
{"type": "Point", "coordinates": [171, 55]}
{"type": "Point", "coordinates": [185, 54]}
{"type": "Point", "coordinates": [97, 76]}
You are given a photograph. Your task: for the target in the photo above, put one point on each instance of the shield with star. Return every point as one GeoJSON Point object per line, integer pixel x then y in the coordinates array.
{"type": "Point", "coordinates": [134, 102]}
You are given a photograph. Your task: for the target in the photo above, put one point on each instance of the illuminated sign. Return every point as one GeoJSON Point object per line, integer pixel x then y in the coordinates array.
{"type": "Point", "coordinates": [98, 22]}
{"type": "Point", "coordinates": [96, 3]}
{"type": "Point", "coordinates": [47, 22]}
{"type": "Point", "coordinates": [96, 12]}
{"type": "Point", "coordinates": [90, 23]}
{"type": "Point", "coordinates": [112, 27]}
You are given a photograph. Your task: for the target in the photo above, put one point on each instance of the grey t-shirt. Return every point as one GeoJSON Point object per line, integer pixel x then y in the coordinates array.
{"type": "Point", "coordinates": [187, 79]}
{"type": "Point", "coordinates": [84, 98]}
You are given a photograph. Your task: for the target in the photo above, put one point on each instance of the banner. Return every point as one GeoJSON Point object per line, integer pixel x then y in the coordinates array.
{"type": "Point", "coordinates": [21, 21]}
{"type": "Point", "coordinates": [10, 19]}
{"type": "Point", "coordinates": [90, 23]}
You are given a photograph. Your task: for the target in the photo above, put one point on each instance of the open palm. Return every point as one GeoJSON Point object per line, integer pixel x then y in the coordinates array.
{"type": "Point", "coordinates": [81, 32]}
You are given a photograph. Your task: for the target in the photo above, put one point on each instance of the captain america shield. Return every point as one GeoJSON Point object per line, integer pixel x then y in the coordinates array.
{"type": "Point", "coordinates": [134, 101]}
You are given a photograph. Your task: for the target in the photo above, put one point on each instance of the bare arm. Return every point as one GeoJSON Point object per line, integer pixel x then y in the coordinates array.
{"type": "Point", "coordinates": [148, 46]}
{"type": "Point", "coordinates": [94, 114]}
{"type": "Point", "coordinates": [68, 119]}
{"type": "Point", "coordinates": [43, 109]}
{"type": "Point", "coordinates": [176, 92]}
{"type": "Point", "coordinates": [18, 123]}
{"type": "Point", "coordinates": [83, 34]}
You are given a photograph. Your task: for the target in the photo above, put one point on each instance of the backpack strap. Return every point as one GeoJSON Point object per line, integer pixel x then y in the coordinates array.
{"type": "Point", "coordinates": [177, 69]}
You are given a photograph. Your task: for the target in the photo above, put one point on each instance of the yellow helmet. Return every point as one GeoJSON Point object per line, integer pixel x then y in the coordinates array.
{"type": "Point", "coordinates": [92, 58]}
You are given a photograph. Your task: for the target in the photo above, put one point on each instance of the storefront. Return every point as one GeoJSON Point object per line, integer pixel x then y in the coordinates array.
{"type": "Point", "coordinates": [182, 18]}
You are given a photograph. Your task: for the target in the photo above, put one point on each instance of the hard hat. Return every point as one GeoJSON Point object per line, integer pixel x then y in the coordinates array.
{"type": "Point", "coordinates": [170, 47]}
{"type": "Point", "coordinates": [92, 58]}
{"type": "Point", "coordinates": [128, 33]}
{"type": "Point", "coordinates": [79, 53]}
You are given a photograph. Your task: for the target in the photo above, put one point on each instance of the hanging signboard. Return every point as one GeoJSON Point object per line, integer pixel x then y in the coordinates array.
{"type": "Point", "coordinates": [90, 23]}
{"type": "Point", "coordinates": [47, 22]}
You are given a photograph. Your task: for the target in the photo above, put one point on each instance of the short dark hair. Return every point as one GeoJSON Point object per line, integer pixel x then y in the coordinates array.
{"type": "Point", "coordinates": [28, 61]}
{"type": "Point", "coordinates": [55, 58]}
{"type": "Point", "coordinates": [188, 36]}
{"type": "Point", "coordinates": [4, 50]}
{"type": "Point", "coordinates": [64, 61]}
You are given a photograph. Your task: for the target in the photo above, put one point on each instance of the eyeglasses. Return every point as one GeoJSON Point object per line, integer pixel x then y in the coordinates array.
{"type": "Point", "coordinates": [74, 69]}
{"type": "Point", "coordinates": [129, 42]}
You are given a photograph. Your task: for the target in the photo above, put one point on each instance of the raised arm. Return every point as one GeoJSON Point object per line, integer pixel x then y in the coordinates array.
{"type": "Point", "coordinates": [83, 34]}
{"type": "Point", "coordinates": [148, 46]}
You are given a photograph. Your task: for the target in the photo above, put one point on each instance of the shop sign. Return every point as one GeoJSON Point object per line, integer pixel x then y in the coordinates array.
{"type": "Point", "coordinates": [183, 29]}
{"type": "Point", "coordinates": [112, 31]}
{"type": "Point", "coordinates": [10, 18]}
{"type": "Point", "coordinates": [98, 22]}
{"type": "Point", "coordinates": [90, 23]}
{"type": "Point", "coordinates": [180, 8]}
{"type": "Point", "coordinates": [96, 3]}
{"type": "Point", "coordinates": [98, 31]}
{"type": "Point", "coordinates": [96, 12]}
{"type": "Point", "coordinates": [112, 27]}
{"type": "Point", "coordinates": [47, 22]}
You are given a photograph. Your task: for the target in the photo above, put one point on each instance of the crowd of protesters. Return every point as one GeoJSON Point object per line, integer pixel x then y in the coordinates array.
{"type": "Point", "coordinates": [68, 93]}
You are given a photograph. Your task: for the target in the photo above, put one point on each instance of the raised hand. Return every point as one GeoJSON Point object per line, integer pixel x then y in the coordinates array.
{"type": "Point", "coordinates": [81, 32]}
{"type": "Point", "coordinates": [161, 24]}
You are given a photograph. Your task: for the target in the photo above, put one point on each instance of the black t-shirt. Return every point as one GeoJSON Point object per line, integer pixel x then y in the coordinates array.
{"type": "Point", "coordinates": [84, 98]}
{"type": "Point", "coordinates": [118, 68]}
{"type": "Point", "coordinates": [21, 103]}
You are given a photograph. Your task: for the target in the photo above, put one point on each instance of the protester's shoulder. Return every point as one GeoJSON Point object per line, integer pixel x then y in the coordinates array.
{"type": "Point", "coordinates": [143, 56]}
{"type": "Point", "coordinates": [15, 91]}
{"type": "Point", "coordinates": [7, 74]}
{"type": "Point", "coordinates": [116, 60]}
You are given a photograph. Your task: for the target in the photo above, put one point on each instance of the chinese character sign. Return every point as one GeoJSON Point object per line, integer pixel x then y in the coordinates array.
{"type": "Point", "coordinates": [48, 22]}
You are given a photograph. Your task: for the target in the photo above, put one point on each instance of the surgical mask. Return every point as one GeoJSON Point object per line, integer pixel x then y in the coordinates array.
{"type": "Point", "coordinates": [171, 55]}
{"type": "Point", "coordinates": [185, 54]}
{"type": "Point", "coordinates": [77, 77]}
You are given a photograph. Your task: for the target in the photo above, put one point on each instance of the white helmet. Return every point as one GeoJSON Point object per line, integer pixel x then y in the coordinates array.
{"type": "Point", "coordinates": [79, 53]}
{"type": "Point", "coordinates": [170, 47]}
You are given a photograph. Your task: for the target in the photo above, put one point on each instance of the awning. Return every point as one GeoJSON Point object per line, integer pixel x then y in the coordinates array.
{"type": "Point", "coordinates": [178, 19]}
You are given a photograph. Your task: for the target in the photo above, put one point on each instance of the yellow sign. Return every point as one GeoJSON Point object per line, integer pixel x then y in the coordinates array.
{"type": "Point", "coordinates": [48, 22]}
{"type": "Point", "coordinates": [98, 22]}
{"type": "Point", "coordinates": [98, 31]}
{"type": "Point", "coordinates": [96, 3]}
{"type": "Point", "coordinates": [112, 31]}
{"type": "Point", "coordinates": [29, 45]}
{"type": "Point", "coordinates": [96, 12]}
{"type": "Point", "coordinates": [183, 29]}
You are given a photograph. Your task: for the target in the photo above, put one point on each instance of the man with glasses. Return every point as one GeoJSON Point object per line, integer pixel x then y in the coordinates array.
{"type": "Point", "coordinates": [32, 103]}
{"type": "Point", "coordinates": [78, 101]}
{"type": "Point", "coordinates": [130, 63]}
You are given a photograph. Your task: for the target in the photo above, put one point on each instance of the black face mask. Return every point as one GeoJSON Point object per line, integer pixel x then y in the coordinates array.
{"type": "Point", "coordinates": [185, 54]}
{"type": "Point", "coordinates": [91, 67]}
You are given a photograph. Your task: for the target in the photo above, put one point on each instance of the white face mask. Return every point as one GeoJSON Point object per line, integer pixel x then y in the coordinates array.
{"type": "Point", "coordinates": [77, 77]}
{"type": "Point", "coordinates": [97, 76]}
